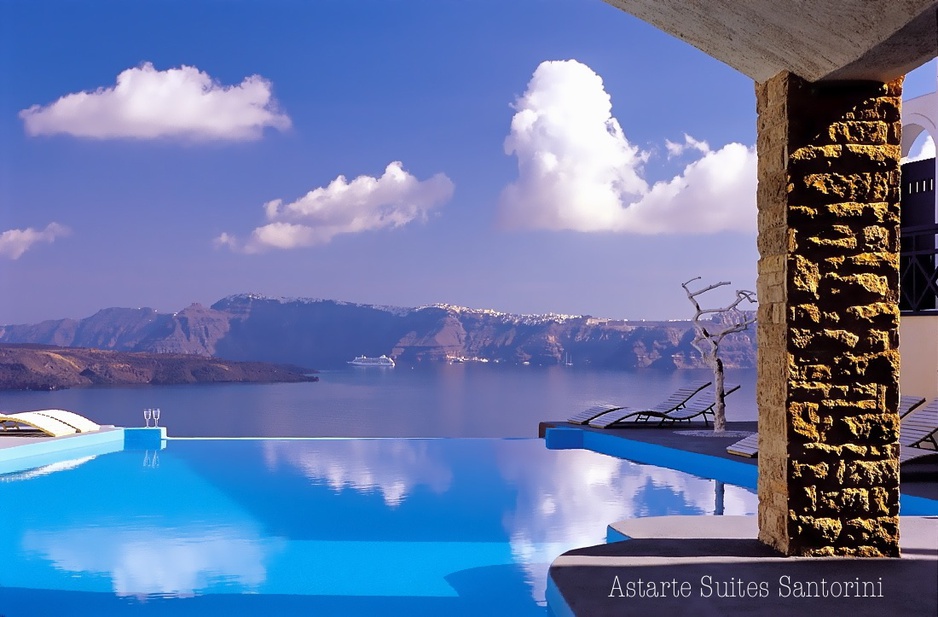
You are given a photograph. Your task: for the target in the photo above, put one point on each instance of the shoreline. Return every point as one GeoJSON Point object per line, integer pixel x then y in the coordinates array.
{"type": "Point", "coordinates": [49, 368]}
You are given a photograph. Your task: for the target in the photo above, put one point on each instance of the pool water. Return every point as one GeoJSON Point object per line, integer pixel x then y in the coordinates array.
{"type": "Point", "coordinates": [320, 526]}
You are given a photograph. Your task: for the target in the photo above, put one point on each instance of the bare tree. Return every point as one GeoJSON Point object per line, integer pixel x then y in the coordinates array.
{"type": "Point", "coordinates": [708, 336]}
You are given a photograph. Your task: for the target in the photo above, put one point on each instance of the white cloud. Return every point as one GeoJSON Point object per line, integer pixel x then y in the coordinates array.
{"type": "Point", "coordinates": [171, 561]}
{"type": "Point", "coordinates": [147, 104]}
{"type": "Point", "coordinates": [578, 171]}
{"type": "Point", "coordinates": [366, 203]}
{"type": "Point", "coordinates": [566, 498]}
{"type": "Point", "coordinates": [925, 150]}
{"type": "Point", "coordinates": [394, 467]}
{"type": "Point", "coordinates": [717, 192]}
{"type": "Point", "coordinates": [15, 242]}
{"type": "Point", "coordinates": [675, 149]}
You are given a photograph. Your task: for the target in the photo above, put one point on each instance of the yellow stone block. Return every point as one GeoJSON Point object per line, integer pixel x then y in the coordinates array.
{"type": "Point", "coordinates": [811, 153]}
{"type": "Point", "coordinates": [887, 155]}
{"type": "Point", "coordinates": [867, 132]}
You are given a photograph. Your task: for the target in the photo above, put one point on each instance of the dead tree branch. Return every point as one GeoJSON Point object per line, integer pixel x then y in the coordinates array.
{"type": "Point", "coordinates": [707, 338]}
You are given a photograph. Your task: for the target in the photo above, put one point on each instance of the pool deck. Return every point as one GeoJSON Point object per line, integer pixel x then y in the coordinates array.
{"type": "Point", "coordinates": [918, 478]}
{"type": "Point", "coordinates": [21, 449]}
{"type": "Point", "coordinates": [13, 438]}
{"type": "Point", "coordinates": [713, 565]}
{"type": "Point", "coordinates": [26, 449]}
{"type": "Point", "coordinates": [692, 561]}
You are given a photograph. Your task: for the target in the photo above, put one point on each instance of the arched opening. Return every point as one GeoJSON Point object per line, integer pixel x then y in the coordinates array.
{"type": "Point", "coordinates": [919, 220]}
{"type": "Point", "coordinates": [922, 145]}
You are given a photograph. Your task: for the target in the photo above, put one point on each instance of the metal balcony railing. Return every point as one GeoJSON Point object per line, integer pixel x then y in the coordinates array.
{"type": "Point", "coordinates": [918, 290]}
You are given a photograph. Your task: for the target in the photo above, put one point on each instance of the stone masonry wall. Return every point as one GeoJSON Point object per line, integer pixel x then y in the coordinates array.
{"type": "Point", "coordinates": [828, 286]}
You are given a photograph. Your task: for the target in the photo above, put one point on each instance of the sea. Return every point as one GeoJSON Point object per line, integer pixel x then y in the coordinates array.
{"type": "Point", "coordinates": [458, 400]}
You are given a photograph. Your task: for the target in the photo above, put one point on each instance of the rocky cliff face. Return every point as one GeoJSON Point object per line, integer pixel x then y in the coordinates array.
{"type": "Point", "coordinates": [327, 333]}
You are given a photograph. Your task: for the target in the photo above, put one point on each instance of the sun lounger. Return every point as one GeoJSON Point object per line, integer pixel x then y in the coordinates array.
{"type": "Point", "coordinates": [678, 399]}
{"type": "Point", "coordinates": [918, 434]}
{"type": "Point", "coordinates": [701, 406]}
{"type": "Point", "coordinates": [915, 428]}
{"type": "Point", "coordinates": [747, 447]}
{"type": "Point", "coordinates": [920, 427]}
{"type": "Point", "coordinates": [49, 426]}
{"type": "Point", "coordinates": [592, 412]}
{"type": "Point", "coordinates": [77, 422]}
{"type": "Point", "coordinates": [907, 404]}
{"type": "Point", "coordinates": [908, 454]}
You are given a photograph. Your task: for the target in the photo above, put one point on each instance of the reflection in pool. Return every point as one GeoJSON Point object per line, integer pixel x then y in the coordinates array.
{"type": "Point", "coordinates": [413, 526]}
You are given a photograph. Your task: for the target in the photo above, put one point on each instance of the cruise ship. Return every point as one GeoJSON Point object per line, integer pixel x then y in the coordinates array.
{"type": "Point", "coordinates": [366, 361]}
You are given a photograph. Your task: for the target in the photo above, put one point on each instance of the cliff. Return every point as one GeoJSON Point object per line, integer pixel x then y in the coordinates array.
{"type": "Point", "coordinates": [328, 333]}
{"type": "Point", "coordinates": [38, 367]}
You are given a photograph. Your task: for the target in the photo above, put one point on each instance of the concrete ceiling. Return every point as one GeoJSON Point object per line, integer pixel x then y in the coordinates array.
{"type": "Point", "coordinates": [815, 39]}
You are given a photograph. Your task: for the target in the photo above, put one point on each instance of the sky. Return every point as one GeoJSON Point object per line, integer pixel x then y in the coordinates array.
{"type": "Point", "coordinates": [529, 156]}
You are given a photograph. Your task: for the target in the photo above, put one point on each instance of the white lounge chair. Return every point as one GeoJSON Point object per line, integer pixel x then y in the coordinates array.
{"type": "Point", "coordinates": [918, 434]}
{"type": "Point", "coordinates": [702, 407]}
{"type": "Point", "coordinates": [675, 401]}
{"type": "Point", "coordinates": [621, 415]}
{"type": "Point", "coordinates": [909, 403]}
{"type": "Point", "coordinates": [908, 453]}
{"type": "Point", "coordinates": [49, 426]}
{"type": "Point", "coordinates": [919, 429]}
{"type": "Point", "coordinates": [746, 447]}
{"type": "Point", "coordinates": [594, 411]}
{"type": "Point", "coordinates": [78, 422]}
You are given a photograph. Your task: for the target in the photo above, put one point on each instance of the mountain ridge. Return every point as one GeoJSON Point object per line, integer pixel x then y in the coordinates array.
{"type": "Point", "coordinates": [326, 333]}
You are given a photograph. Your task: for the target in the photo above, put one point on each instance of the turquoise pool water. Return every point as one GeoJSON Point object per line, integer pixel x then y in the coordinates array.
{"type": "Point", "coordinates": [320, 526]}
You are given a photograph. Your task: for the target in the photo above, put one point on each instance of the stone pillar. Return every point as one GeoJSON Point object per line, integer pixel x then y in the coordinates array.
{"type": "Point", "coordinates": [828, 387]}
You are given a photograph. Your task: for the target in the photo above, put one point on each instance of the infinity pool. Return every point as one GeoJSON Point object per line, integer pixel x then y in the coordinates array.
{"type": "Point", "coordinates": [320, 526]}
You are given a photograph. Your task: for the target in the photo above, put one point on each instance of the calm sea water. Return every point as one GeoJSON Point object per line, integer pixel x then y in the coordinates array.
{"type": "Point", "coordinates": [462, 400]}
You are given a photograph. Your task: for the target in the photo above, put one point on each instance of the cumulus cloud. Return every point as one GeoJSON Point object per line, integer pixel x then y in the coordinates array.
{"type": "Point", "coordinates": [15, 242]}
{"type": "Point", "coordinates": [921, 149]}
{"type": "Point", "coordinates": [676, 149]}
{"type": "Point", "coordinates": [366, 203]}
{"type": "Point", "coordinates": [146, 103]}
{"type": "Point", "coordinates": [578, 171]}
{"type": "Point", "coordinates": [566, 498]}
{"type": "Point", "coordinates": [172, 561]}
{"type": "Point", "coordinates": [394, 467]}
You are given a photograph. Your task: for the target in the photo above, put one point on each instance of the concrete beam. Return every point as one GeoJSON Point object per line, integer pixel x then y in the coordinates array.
{"type": "Point", "coordinates": [875, 40]}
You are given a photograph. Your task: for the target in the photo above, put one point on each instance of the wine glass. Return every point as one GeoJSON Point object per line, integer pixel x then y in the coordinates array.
{"type": "Point", "coordinates": [156, 417]}
{"type": "Point", "coordinates": [147, 414]}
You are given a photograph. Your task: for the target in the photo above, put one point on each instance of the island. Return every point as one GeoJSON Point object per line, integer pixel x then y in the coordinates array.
{"type": "Point", "coordinates": [46, 367]}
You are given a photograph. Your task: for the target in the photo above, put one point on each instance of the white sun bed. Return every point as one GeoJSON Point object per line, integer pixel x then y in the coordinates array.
{"type": "Point", "coordinates": [74, 420]}
{"type": "Point", "coordinates": [49, 426]}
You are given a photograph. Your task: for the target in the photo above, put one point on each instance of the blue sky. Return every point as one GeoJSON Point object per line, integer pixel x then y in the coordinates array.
{"type": "Point", "coordinates": [481, 161]}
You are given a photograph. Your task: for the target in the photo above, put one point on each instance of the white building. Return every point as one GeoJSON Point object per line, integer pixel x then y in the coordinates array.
{"type": "Point", "coordinates": [918, 332]}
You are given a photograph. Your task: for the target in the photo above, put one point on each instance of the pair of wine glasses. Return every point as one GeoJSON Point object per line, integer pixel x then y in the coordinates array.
{"type": "Point", "coordinates": [153, 414]}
